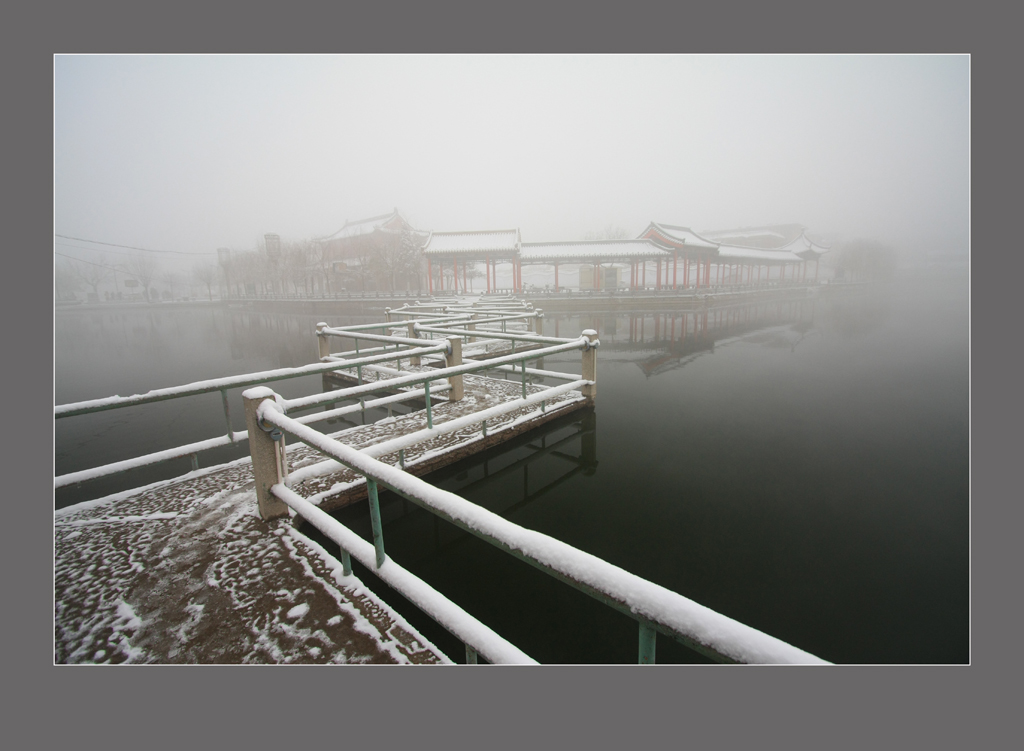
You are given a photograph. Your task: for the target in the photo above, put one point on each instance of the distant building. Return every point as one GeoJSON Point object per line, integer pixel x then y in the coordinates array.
{"type": "Point", "coordinates": [352, 249]}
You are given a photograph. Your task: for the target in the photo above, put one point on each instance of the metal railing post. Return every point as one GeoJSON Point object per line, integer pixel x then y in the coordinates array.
{"type": "Point", "coordinates": [227, 414]}
{"type": "Point", "coordinates": [378, 532]}
{"type": "Point", "coordinates": [262, 448]}
{"type": "Point", "coordinates": [648, 639]}
{"type": "Point", "coordinates": [590, 366]}
{"type": "Point", "coordinates": [455, 359]}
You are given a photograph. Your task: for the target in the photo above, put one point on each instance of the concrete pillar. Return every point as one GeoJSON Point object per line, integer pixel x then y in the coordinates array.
{"type": "Point", "coordinates": [455, 358]}
{"type": "Point", "coordinates": [413, 335]}
{"type": "Point", "coordinates": [265, 466]}
{"type": "Point", "coordinates": [472, 327]}
{"type": "Point", "coordinates": [322, 341]}
{"type": "Point", "coordinates": [387, 315]}
{"type": "Point", "coordinates": [589, 372]}
{"type": "Point", "coordinates": [538, 323]}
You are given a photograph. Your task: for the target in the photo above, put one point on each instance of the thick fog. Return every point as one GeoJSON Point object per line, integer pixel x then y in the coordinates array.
{"type": "Point", "coordinates": [192, 153]}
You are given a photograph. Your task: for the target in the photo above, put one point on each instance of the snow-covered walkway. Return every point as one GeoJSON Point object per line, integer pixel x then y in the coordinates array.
{"type": "Point", "coordinates": [185, 571]}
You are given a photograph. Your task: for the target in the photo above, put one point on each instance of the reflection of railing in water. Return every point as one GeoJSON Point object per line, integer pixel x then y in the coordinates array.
{"type": "Point", "coordinates": [399, 515]}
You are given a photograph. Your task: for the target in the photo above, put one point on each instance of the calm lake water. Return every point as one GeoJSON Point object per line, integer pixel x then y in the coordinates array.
{"type": "Point", "coordinates": [801, 467]}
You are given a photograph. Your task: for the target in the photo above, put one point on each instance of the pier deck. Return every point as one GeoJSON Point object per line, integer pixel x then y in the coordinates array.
{"type": "Point", "coordinates": [344, 487]}
{"type": "Point", "coordinates": [186, 571]}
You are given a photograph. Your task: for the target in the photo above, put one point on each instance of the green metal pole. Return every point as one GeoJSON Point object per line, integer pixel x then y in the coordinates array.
{"type": "Point", "coordinates": [227, 413]}
{"type": "Point", "coordinates": [426, 398]}
{"type": "Point", "coordinates": [524, 379]}
{"type": "Point", "coordinates": [647, 640]}
{"type": "Point", "coordinates": [470, 655]}
{"type": "Point", "coordinates": [346, 563]}
{"type": "Point", "coordinates": [378, 533]}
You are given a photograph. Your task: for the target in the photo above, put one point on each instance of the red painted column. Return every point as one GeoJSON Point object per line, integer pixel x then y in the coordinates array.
{"type": "Point", "coordinates": [430, 280]}
{"type": "Point", "coordinates": [816, 269]}
{"type": "Point", "coordinates": [556, 281]}
{"type": "Point", "coordinates": [464, 287]}
{"type": "Point", "coordinates": [657, 282]}
{"type": "Point", "coordinates": [644, 274]}
{"type": "Point", "coordinates": [675, 269]}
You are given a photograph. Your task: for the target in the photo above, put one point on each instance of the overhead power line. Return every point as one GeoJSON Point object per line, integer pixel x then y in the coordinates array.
{"type": "Point", "coordinates": [65, 255]}
{"type": "Point", "coordinates": [134, 247]}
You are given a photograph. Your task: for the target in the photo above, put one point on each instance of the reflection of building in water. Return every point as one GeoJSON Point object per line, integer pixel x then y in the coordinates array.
{"type": "Point", "coordinates": [660, 341]}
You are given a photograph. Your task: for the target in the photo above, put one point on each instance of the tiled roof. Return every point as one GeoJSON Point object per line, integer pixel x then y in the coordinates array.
{"type": "Point", "coordinates": [362, 226]}
{"type": "Point", "coordinates": [484, 241]}
{"type": "Point", "coordinates": [678, 235]}
{"type": "Point", "coordinates": [591, 249]}
{"type": "Point", "coordinates": [804, 244]}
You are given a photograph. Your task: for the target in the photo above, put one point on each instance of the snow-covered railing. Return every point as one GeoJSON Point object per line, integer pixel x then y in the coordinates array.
{"type": "Point", "coordinates": [655, 608]}
{"type": "Point", "coordinates": [478, 638]}
{"type": "Point", "coordinates": [222, 385]}
{"type": "Point", "coordinates": [588, 341]}
{"type": "Point", "coordinates": [330, 466]}
{"type": "Point", "coordinates": [422, 347]}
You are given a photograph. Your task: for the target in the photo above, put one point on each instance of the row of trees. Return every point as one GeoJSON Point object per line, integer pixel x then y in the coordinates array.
{"type": "Point", "coordinates": [382, 260]}
{"type": "Point", "coordinates": [862, 259]}
{"type": "Point", "coordinates": [72, 275]}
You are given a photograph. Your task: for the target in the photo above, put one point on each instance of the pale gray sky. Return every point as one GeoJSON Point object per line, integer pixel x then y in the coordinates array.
{"type": "Point", "coordinates": [197, 152]}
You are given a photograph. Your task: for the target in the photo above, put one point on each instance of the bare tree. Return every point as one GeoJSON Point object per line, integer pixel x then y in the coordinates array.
{"type": "Point", "coordinates": [473, 272]}
{"type": "Point", "coordinates": [65, 280]}
{"type": "Point", "coordinates": [297, 265]}
{"type": "Point", "coordinates": [206, 273]}
{"type": "Point", "coordinates": [143, 268]}
{"type": "Point", "coordinates": [92, 274]}
{"type": "Point", "coordinates": [320, 258]}
{"type": "Point", "coordinates": [394, 254]}
{"type": "Point", "coordinates": [610, 232]}
{"type": "Point", "coordinates": [170, 278]}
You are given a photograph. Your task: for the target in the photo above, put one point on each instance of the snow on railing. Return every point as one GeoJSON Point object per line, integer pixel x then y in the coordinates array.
{"type": "Point", "coordinates": [655, 608]}
{"type": "Point", "coordinates": [223, 384]}
{"type": "Point", "coordinates": [478, 638]}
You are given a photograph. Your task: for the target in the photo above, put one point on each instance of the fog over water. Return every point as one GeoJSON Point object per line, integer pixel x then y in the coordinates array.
{"type": "Point", "coordinates": [192, 153]}
{"type": "Point", "coordinates": [800, 464]}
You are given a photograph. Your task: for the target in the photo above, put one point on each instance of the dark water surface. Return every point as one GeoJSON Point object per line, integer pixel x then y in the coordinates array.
{"type": "Point", "coordinates": [800, 467]}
